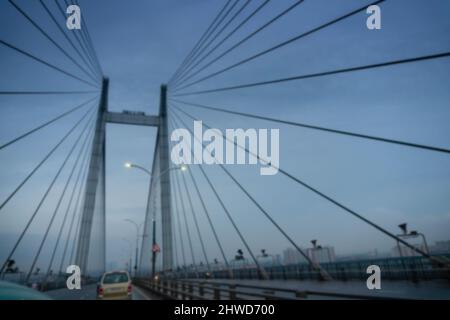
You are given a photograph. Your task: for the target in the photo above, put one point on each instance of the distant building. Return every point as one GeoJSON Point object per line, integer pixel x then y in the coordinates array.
{"type": "Point", "coordinates": [318, 254]}
{"type": "Point", "coordinates": [440, 247]}
{"type": "Point", "coordinates": [292, 256]}
{"type": "Point", "coordinates": [373, 254]}
{"type": "Point", "coordinates": [270, 260]}
{"type": "Point", "coordinates": [321, 254]}
{"type": "Point", "coordinates": [277, 260]}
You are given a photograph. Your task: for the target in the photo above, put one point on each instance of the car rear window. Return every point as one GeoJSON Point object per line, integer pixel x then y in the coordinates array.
{"type": "Point", "coordinates": [116, 277]}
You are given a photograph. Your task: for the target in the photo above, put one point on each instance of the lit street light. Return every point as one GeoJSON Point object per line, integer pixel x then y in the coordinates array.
{"type": "Point", "coordinates": [132, 165]}
{"type": "Point", "coordinates": [155, 178]}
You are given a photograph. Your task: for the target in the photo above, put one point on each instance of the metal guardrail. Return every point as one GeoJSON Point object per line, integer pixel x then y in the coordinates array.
{"type": "Point", "coordinates": [407, 268]}
{"type": "Point", "coordinates": [212, 290]}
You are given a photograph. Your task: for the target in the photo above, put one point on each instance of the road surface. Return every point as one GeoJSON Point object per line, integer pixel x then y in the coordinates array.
{"type": "Point", "coordinates": [89, 293]}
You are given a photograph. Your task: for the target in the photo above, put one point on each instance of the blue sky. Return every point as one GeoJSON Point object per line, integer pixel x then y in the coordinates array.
{"type": "Point", "coordinates": [140, 44]}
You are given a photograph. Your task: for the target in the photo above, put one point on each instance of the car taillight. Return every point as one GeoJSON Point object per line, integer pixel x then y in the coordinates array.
{"type": "Point", "coordinates": [100, 291]}
{"type": "Point", "coordinates": [129, 288]}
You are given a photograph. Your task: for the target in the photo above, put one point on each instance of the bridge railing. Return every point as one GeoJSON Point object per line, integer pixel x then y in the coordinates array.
{"type": "Point", "coordinates": [407, 268]}
{"type": "Point", "coordinates": [212, 290]}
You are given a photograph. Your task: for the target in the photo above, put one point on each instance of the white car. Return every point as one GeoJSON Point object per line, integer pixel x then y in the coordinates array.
{"type": "Point", "coordinates": [115, 285]}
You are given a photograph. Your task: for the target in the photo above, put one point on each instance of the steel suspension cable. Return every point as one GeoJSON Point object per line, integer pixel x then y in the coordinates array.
{"type": "Point", "coordinates": [47, 156]}
{"type": "Point", "coordinates": [200, 52]}
{"type": "Point", "coordinates": [84, 40]}
{"type": "Point", "coordinates": [44, 92]}
{"type": "Point", "coordinates": [213, 229]}
{"type": "Point", "coordinates": [202, 201]}
{"type": "Point", "coordinates": [45, 124]}
{"type": "Point", "coordinates": [183, 210]}
{"type": "Point", "coordinates": [240, 25]}
{"type": "Point", "coordinates": [76, 36]}
{"type": "Point", "coordinates": [199, 234]}
{"type": "Point", "coordinates": [324, 196]}
{"type": "Point", "coordinates": [241, 42]}
{"type": "Point", "coordinates": [193, 50]}
{"type": "Point", "coordinates": [52, 16]}
{"type": "Point", "coordinates": [88, 39]}
{"type": "Point", "coordinates": [230, 218]}
{"type": "Point", "coordinates": [81, 178]}
{"type": "Point", "coordinates": [45, 34]}
{"type": "Point", "coordinates": [77, 232]}
{"type": "Point", "coordinates": [80, 200]}
{"type": "Point", "coordinates": [61, 197]}
{"type": "Point", "coordinates": [80, 214]}
{"type": "Point", "coordinates": [175, 242]}
{"type": "Point", "coordinates": [309, 126]}
{"type": "Point", "coordinates": [176, 238]}
{"type": "Point", "coordinates": [50, 187]}
{"type": "Point", "coordinates": [48, 64]}
{"type": "Point", "coordinates": [313, 264]}
{"type": "Point", "coordinates": [85, 151]}
{"type": "Point", "coordinates": [322, 74]}
{"type": "Point", "coordinates": [177, 213]}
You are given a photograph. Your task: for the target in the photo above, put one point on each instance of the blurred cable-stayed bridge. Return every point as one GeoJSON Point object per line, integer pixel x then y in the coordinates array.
{"type": "Point", "coordinates": [183, 251]}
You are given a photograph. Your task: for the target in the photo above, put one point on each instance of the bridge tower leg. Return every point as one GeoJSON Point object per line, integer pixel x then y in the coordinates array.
{"type": "Point", "coordinates": [164, 165]}
{"type": "Point", "coordinates": [94, 195]}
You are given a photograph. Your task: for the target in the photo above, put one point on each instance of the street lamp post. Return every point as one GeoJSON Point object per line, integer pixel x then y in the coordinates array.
{"type": "Point", "coordinates": [132, 165]}
{"type": "Point", "coordinates": [155, 179]}
{"type": "Point", "coordinates": [129, 264]}
{"type": "Point", "coordinates": [411, 234]}
{"type": "Point", "coordinates": [137, 243]}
